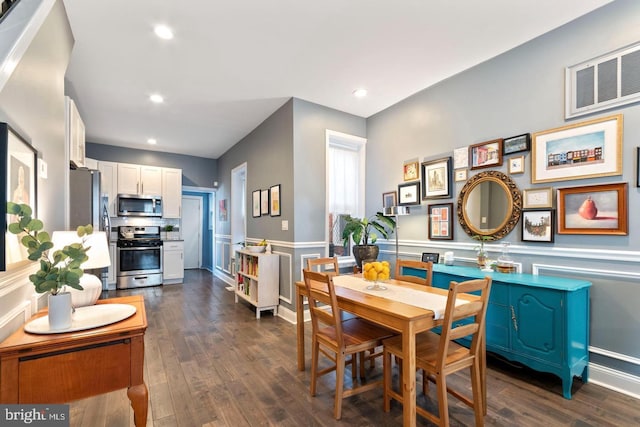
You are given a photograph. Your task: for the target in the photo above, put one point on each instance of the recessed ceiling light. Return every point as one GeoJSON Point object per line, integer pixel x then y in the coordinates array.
{"type": "Point", "coordinates": [156, 99]}
{"type": "Point", "coordinates": [163, 32]}
{"type": "Point", "coordinates": [152, 141]}
{"type": "Point", "coordinates": [359, 93]}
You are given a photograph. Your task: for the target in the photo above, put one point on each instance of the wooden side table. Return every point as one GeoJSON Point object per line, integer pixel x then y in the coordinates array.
{"type": "Point", "coordinates": [60, 368]}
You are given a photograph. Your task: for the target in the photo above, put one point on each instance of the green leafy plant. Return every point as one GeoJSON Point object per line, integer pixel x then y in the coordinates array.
{"type": "Point", "coordinates": [363, 230]}
{"type": "Point", "coordinates": [482, 239]}
{"type": "Point", "coordinates": [58, 270]}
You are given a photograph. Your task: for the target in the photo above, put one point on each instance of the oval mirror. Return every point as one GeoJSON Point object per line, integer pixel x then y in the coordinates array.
{"type": "Point", "coordinates": [489, 204]}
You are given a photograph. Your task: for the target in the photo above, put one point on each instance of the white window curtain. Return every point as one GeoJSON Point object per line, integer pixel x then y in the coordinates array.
{"type": "Point", "coordinates": [344, 179]}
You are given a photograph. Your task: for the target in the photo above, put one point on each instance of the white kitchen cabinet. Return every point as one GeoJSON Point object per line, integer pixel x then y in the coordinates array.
{"type": "Point", "coordinates": [137, 179]}
{"type": "Point", "coordinates": [173, 261]}
{"type": "Point", "coordinates": [74, 132]}
{"type": "Point", "coordinates": [109, 184]}
{"type": "Point", "coordinates": [171, 192]}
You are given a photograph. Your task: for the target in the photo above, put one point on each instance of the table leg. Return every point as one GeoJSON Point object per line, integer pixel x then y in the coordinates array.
{"type": "Point", "coordinates": [139, 397]}
{"type": "Point", "coordinates": [300, 328]}
{"type": "Point", "coordinates": [409, 377]}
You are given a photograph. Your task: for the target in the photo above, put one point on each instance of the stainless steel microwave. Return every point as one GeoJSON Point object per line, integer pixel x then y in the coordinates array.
{"type": "Point", "coordinates": [139, 205]}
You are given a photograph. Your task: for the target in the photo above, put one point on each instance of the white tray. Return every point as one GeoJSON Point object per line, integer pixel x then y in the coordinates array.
{"type": "Point", "coordinates": [92, 316]}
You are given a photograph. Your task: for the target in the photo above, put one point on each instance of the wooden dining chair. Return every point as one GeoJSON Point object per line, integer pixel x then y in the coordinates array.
{"type": "Point", "coordinates": [439, 355]}
{"type": "Point", "coordinates": [403, 264]}
{"type": "Point", "coordinates": [324, 265]}
{"type": "Point", "coordinates": [336, 339]}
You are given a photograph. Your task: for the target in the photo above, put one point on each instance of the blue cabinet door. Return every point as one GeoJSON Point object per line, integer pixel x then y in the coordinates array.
{"type": "Point", "coordinates": [537, 322]}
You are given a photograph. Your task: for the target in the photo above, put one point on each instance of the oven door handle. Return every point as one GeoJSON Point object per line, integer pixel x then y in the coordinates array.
{"type": "Point", "coordinates": [142, 248]}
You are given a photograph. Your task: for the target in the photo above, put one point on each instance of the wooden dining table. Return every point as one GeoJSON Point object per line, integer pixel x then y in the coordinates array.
{"type": "Point", "coordinates": [406, 319]}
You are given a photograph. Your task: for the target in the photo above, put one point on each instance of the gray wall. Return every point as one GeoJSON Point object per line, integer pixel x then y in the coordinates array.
{"type": "Point", "coordinates": [196, 171]}
{"type": "Point", "coordinates": [517, 92]}
{"type": "Point", "coordinates": [310, 124]}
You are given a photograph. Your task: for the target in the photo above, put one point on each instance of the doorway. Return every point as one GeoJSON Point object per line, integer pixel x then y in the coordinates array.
{"type": "Point", "coordinates": [238, 209]}
{"type": "Point", "coordinates": [192, 231]}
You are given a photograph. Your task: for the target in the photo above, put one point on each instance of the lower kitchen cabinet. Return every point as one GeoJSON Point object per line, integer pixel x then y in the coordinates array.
{"type": "Point", "coordinates": [539, 321]}
{"type": "Point", "coordinates": [172, 261]}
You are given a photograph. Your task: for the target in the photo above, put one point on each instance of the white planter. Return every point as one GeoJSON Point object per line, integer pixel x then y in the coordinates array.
{"type": "Point", "coordinates": [60, 311]}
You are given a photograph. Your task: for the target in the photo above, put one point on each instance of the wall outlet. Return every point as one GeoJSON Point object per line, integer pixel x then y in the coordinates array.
{"type": "Point", "coordinates": [285, 225]}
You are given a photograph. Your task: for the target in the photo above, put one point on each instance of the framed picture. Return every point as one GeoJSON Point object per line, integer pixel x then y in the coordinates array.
{"type": "Point", "coordinates": [582, 150]}
{"type": "Point", "coordinates": [516, 165]}
{"type": "Point", "coordinates": [389, 199]}
{"type": "Point", "coordinates": [440, 221]}
{"type": "Point", "coordinates": [436, 179]}
{"type": "Point", "coordinates": [222, 210]}
{"type": "Point", "coordinates": [460, 175]}
{"type": "Point", "coordinates": [274, 197]}
{"type": "Point", "coordinates": [593, 209]}
{"type": "Point", "coordinates": [411, 171]}
{"type": "Point", "coordinates": [264, 202]}
{"type": "Point", "coordinates": [533, 198]}
{"type": "Point", "coordinates": [18, 166]}
{"type": "Point", "coordinates": [256, 203]}
{"type": "Point", "coordinates": [461, 158]}
{"type": "Point", "coordinates": [486, 154]}
{"type": "Point", "coordinates": [516, 144]}
{"type": "Point", "coordinates": [538, 225]}
{"type": "Point", "coordinates": [409, 194]}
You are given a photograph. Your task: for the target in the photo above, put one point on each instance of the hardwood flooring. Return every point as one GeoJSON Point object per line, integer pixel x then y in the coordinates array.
{"type": "Point", "coordinates": [210, 362]}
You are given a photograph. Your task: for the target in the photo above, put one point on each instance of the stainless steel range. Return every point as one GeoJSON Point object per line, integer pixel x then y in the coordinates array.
{"type": "Point", "coordinates": [139, 257]}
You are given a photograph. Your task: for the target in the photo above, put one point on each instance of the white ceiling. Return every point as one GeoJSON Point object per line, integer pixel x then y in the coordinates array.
{"type": "Point", "coordinates": [233, 63]}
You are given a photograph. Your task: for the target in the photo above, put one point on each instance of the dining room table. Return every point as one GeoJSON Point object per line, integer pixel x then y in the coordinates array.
{"type": "Point", "coordinates": [401, 306]}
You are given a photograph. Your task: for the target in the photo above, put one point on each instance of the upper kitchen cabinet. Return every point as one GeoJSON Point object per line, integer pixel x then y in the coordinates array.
{"type": "Point", "coordinates": [109, 184]}
{"type": "Point", "coordinates": [138, 179]}
{"type": "Point", "coordinates": [171, 192]}
{"type": "Point", "coordinates": [75, 132]}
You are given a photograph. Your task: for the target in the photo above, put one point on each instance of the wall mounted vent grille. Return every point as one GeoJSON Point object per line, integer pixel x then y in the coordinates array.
{"type": "Point", "coordinates": [609, 81]}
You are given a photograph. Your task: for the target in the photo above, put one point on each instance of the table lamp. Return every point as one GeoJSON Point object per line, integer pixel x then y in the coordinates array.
{"type": "Point", "coordinates": [396, 211]}
{"type": "Point", "coordinates": [98, 254]}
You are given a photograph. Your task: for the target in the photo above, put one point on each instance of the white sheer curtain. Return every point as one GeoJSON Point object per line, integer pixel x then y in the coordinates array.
{"type": "Point", "coordinates": [344, 180]}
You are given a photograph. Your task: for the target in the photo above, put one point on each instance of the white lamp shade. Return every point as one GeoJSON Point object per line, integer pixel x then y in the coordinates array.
{"type": "Point", "coordinates": [98, 252]}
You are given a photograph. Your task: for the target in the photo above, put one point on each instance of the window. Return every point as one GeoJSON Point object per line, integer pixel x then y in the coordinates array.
{"type": "Point", "coordinates": [345, 186]}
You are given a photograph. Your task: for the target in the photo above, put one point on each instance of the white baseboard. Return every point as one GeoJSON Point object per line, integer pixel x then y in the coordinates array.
{"type": "Point", "coordinates": [621, 382]}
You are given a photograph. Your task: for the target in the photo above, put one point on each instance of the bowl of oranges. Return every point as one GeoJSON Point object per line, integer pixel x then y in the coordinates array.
{"type": "Point", "coordinates": [376, 272]}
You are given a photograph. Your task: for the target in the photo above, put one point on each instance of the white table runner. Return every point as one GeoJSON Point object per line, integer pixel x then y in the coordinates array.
{"type": "Point", "coordinates": [434, 302]}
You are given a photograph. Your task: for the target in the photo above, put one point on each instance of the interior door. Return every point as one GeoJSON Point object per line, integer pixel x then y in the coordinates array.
{"type": "Point", "coordinates": [192, 231]}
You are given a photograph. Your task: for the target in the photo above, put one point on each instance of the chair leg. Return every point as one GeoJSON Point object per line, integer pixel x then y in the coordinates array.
{"type": "Point", "coordinates": [337, 403]}
{"type": "Point", "coordinates": [476, 388]}
{"type": "Point", "coordinates": [315, 350]}
{"type": "Point", "coordinates": [443, 404]}
{"type": "Point", "coordinates": [386, 375]}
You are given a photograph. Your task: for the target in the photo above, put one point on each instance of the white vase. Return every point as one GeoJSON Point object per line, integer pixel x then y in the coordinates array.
{"type": "Point", "coordinates": [60, 311]}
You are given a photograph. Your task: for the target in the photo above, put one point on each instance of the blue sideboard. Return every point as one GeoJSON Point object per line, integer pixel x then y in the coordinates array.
{"type": "Point", "coordinates": [539, 321]}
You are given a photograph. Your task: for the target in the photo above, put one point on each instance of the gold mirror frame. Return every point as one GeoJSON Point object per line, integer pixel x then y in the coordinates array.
{"type": "Point", "coordinates": [514, 197]}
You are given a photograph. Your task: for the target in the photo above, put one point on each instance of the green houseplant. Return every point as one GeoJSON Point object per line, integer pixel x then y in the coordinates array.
{"type": "Point", "coordinates": [57, 270]}
{"type": "Point", "coordinates": [363, 232]}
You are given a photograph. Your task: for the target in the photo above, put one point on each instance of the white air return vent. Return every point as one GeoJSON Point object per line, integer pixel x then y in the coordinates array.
{"type": "Point", "coordinates": [609, 81]}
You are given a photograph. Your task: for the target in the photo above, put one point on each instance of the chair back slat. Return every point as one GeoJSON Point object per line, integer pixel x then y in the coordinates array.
{"type": "Point", "coordinates": [427, 267]}
{"type": "Point", "coordinates": [322, 293]}
{"type": "Point", "coordinates": [324, 265]}
{"type": "Point", "coordinates": [469, 317]}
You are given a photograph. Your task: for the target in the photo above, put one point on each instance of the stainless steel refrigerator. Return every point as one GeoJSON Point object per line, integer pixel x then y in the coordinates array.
{"type": "Point", "coordinates": [87, 206]}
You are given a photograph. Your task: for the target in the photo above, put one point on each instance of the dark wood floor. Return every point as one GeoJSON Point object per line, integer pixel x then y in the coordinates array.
{"type": "Point", "coordinates": [209, 362]}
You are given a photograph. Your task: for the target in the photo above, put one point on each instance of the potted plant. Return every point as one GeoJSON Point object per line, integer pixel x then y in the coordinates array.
{"type": "Point", "coordinates": [57, 270]}
{"type": "Point", "coordinates": [480, 252]}
{"type": "Point", "coordinates": [363, 233]}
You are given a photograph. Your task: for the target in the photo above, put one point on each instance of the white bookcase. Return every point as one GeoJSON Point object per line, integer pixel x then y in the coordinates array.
{"type": "Point", "coordinates": [258, 280]}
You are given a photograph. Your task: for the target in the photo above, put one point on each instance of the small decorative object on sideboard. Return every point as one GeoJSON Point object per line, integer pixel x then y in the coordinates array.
{"type": "Point", "coordinates": [62, 268]}
{"type": "Point", "coordinates": [480, 252]}
{"type": "Point", "coordinates": [505, 262]}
